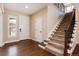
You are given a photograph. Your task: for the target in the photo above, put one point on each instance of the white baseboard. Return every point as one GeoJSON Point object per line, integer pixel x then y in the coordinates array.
{"type": "Point", "coordinates": [26, 39]}
{"type": "Point", "coordinates": [41, 46]}
{"type": "Point", "coordinates": [11, 41]}
{"type": "Point", "coordinates": [37, 41]}
{"type": "Point", "coordinates": [2, 44]}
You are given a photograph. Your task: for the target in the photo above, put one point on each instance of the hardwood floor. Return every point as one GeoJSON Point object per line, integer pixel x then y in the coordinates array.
{"type": "Point", "coordinates": [23, 48]}
{"type": "Point", "coordinates": [27, 48]}
{"type": "Point", "coordinates": [76, 51]}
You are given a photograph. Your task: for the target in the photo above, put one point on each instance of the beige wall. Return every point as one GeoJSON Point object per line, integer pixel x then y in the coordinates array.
{"type": "Point", "coordinates": [49, 16]}
{"type": "Point", "coordinates": [1, 26]}
{"type": "Point", "coordinates": [77, 19]}
{"type": "Point", "coordinates": [52, 19]}
{"type": "Point", "coordinates": [5, 23]}
{"type": "Point", "coordinates": [43, 14]}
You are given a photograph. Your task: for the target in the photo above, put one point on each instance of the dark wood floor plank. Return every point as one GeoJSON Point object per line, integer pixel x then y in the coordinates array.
{"type": "Point", "coordinates": [76, 51]}
{"type": "Point", "coordinates": [23, 48]}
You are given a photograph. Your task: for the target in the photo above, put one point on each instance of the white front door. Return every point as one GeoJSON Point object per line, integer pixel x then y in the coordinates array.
{"type": "Point", "coordinates": [12, 27]}
{"type": "Point", "coordinates": [23, 27]}
{"type": "Point", "coordinates": [38, 29]}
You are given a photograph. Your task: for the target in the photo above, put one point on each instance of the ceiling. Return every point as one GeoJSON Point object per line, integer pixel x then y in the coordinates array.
{"type": "Point", "coordinates": [20, 7]}
{"type": "Point", "coordinates": [73, 4]}
{"type": "Point", "coordinates": [76, 5]}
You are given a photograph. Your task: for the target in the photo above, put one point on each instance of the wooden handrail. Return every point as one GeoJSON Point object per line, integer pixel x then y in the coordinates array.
{"type": "Point", "coordinates": [71, 18]}
{"type": "Point", "coordinates": [68, 33]}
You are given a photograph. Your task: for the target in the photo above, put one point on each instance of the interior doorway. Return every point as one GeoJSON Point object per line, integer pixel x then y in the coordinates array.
{"type": "Point", "coordinates": [38, 29]}
{"type": "Point", "coordinates": [24, 27]}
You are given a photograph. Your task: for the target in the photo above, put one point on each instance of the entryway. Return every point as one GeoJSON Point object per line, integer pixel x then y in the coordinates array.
{"type": "Point", "coordinates": [18, 28]}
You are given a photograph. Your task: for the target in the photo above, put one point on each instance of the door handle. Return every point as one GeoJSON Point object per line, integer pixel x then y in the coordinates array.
{"type": "Point", "coordinates": [40, 31]}
{"type": "Point", "coordinates": [20, 29]}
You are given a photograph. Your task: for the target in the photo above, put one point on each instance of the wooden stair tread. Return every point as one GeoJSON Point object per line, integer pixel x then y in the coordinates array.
{"type": "Point", "coordinates": [56, 41]}
{"type": "Point", "coordinates": [59, 38]}
{"type": "Point", "coordinates": [59, 45]}
{"type": "Point", "coordinates": [62, 32]}
{"type": "Point", "coordinates": [54, 50]}
{"type": "Point", "coordinates": [59, 35]}
{"type": "Point", "coordinates": [54, 46]}
{"type": "Point", "coordinates": [62, 28]}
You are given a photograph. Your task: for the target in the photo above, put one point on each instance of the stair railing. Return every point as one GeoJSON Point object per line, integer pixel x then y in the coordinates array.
{"type": "Point", "coordinates": [68, 34]}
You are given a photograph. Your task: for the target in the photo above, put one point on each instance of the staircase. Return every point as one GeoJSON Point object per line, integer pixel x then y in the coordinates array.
{"type": "Point", "coordinates": [57, 45]}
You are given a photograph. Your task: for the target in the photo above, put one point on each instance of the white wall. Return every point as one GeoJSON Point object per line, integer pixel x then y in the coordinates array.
{"type": "Point", "coordinates": [43, 15]}
{"type": "Point", "coordinates": [1, 29]}
{"type": "Point", "coordinates": [52, 19]}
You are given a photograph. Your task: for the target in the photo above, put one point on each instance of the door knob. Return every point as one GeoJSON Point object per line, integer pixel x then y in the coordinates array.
{"type": "Point", "coordinates": [40, 31]}
{"type": "Point", "coordinates": [20, 29]}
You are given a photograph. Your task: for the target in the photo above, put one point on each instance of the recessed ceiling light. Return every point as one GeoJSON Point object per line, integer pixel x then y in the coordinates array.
{"type": "Point", "coordinates": [26, 6]}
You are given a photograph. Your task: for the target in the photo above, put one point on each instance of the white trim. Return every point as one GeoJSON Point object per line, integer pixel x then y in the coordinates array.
{"type": "Point", "coordinates": [14, 41]}
{"type": "Point", "coordinates": [36, 40]}
{"type": "Point", "coordinates": [41, 46]}
{"type": "Point", "coordinates": [1, 45]}
{"type": "Point", "coordinates": [45, 43]}
{"type": "Point", "coordinates": [25, 39]}
{"type": "Point", "coordinates": [11, 41]}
